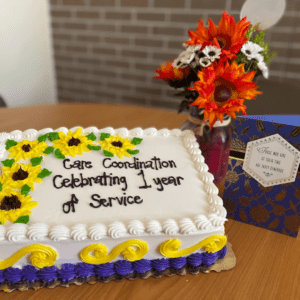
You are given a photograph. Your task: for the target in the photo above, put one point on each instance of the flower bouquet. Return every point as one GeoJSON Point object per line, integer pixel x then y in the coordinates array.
{"type": "Point", "coordinates": [218, 68]}
{"type": "Point", "coordinates": [217, 72]}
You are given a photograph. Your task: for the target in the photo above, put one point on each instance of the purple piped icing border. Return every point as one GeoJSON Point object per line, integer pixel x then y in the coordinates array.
{"type": "Point", "coordinates": [68, 273]}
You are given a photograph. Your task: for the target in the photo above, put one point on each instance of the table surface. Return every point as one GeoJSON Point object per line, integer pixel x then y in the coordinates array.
{"type": "Point", "coordinates": [267, 262]}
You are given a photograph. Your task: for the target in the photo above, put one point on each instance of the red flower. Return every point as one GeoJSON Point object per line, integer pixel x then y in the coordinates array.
{"type": "Point", "coordinates": [222, 89]}
{"type": "Point", "coordinates": [175, 77]}
{"type": "Point", "coordinates": [229, 36]}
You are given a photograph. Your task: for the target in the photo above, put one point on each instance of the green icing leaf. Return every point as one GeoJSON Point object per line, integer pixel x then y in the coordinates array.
{"type": "Point", "coordinates": [94, 147]}
{"type": "Point", "coordinates": [53, 136]}
{"type": "Point", "coordinates": [36, 160]}
{"type": "Point", "coordinates": [48, 150]}
{"type": "Point", "coordinates": [58, 154]}
{"type": "Point", "coordinates": [136, 141]}
{"type": "Point", "coordinates": [133, 151]}
{"type": "Point", "coordinates": [104, 136]}
{"type": "Point", "coordinates": [43, 138]}
{"type": "Point", "coordinates": [23, 219]}
{"type": "Point", "coordinates": [0, 186]}
{"type": "Point", "coordinates": [107, 153]}
{"type": "Point", "coordinates": [25, 189]}
{"type": "Point", "coordinates": [44, 173]}
{"type": "Point", "coordinates": [10, 143]}
{"type": "Point", "coordinates": [91, 136]}
{"type": "Point", "coordinates": [8, 162]}
{"type": "Point", "coordinates": [0, 223]}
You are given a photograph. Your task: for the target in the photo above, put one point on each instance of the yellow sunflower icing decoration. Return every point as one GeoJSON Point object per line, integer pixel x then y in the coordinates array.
{"type": "Point", "coordinates": [73, 143]}
{"type": "Point", "coordinates": [27, 149]}
{"type": "Point", "coordinates": [116, 145]}
{"type": "Point", "coordinates": [14, 205]}
{"type": "Point", "coordinates": [19, 175]}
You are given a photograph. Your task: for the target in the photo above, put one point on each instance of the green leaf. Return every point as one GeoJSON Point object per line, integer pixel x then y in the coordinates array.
{"type": "Point", "coordinates": [0, 223]}
{"type": "Point", "coordinates": [58, 154]}
{"type": "Point", "coordinates": [104, 136]}
{"type": "Point", "coordinates": [8, 162]}
{"type": "Point", "coordinates": [36, 160]}
{"type": "Point", "coordinates": [132, 152]}
{"type": "Point", "coordinates": [10, 143]}
{"type": "Point", "coordinates": [44, 173]}
{"type": "Point", "coordinates": [25, 189]}
{"type": "Point", "coordinates": [258, 37]}
{"type": "Point", "coordinates": [107, 153]}
{"type": "Point", "coordinates": [0, 186]}
{"type": "Point", "coordinates": [48, 150]}
{"type": "Point", "coordinates": [43, 138]}
{"type": "Point", "coordinates": [53, 136]}
{"type": "Point", "coordinates": [136, 141]}
{"type": "Point", "coordinates": [91, 136]}
{"type": "Point", "coordinates": [94, 147]}
{"type": "Point", "coordinates": [23, 219]}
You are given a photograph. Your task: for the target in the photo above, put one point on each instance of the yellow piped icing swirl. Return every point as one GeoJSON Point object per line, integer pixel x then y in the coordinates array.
{"type": "Point", "coordinates": [41, 256]}
{"type": "Point", "coordinates": [214, 243]}
{"type": "Point", "coordinates": [101, 255]}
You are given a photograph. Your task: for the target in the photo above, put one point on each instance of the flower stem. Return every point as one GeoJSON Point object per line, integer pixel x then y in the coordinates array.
{"type": "Point", "coordinates": [250, 65]}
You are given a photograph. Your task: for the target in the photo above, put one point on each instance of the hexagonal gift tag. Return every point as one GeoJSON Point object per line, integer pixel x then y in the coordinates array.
{"type": "Point", "coordinates": [271, 160]}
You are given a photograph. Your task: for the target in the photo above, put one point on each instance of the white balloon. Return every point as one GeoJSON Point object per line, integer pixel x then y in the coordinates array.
{"type": "Point", "coordinates": [265, 12]}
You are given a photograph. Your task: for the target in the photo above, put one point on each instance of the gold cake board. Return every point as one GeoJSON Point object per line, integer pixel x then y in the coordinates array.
{"type": "Point", "coordinates": [224, 264]}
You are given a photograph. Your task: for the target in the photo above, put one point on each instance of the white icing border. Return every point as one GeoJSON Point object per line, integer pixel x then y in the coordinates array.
{"type": "Point", "coordinates": [199, 224]}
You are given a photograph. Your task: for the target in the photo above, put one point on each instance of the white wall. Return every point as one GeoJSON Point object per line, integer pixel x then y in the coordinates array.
{"type": "Point", "coordinates": [26, 58]}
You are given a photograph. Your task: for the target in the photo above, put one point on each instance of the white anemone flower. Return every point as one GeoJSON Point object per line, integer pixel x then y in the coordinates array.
{"type": "Point", "coordinates": [195, 63]}
{"type": "Point", "coordinates": [251, 50]}
{"type": "Point", "coordinates": [212, 52]}
{"type": "Point", "coordinates": [204, 62]}
{"type": "Point", "coordinates": [258, 57]}
{"type": "Point", "coordinates": [184, 59]}
{"type": "Point", "coordinates": [264, 69]}
{"type": "Point", "coordinates": [194, 48]}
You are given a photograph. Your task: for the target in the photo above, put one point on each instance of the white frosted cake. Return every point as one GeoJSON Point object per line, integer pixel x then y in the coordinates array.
{"type": "Point", "coordinates": [90, 204]}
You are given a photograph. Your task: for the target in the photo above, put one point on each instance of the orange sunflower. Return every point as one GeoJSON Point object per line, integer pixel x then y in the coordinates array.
{"type": "Point", "coordinates": [230, 36]}
{"type": "Point", "coordinates": [175, 77]}
{"type": "Point", "coordinates": [222, 89]}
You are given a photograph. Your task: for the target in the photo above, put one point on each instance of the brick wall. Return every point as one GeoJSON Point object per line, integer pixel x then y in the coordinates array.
{"type": "Point", "coordinates": [108, 50]}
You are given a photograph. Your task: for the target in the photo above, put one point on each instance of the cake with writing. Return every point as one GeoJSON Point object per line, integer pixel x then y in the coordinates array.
{"type": "Point", "coordinates": [83, 205]}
